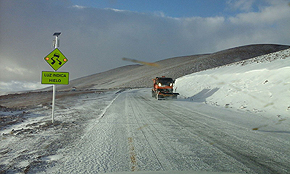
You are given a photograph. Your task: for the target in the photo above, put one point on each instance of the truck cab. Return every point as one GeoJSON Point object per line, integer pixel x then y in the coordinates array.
{"type": "Point", "coordinates": [163, 88]}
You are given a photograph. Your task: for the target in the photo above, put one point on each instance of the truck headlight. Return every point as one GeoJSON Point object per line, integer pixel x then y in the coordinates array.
{"type": "Point", "coordinates": [159, 84]}
{"type": "Point", "coordinates": [171, 84]}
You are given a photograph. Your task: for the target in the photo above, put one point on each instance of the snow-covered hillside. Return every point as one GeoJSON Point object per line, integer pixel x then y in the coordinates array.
{"type": "Point", "coordinates": [259, 85]}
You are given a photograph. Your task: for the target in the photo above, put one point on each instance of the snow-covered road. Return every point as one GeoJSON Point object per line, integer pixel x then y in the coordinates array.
{"type": "Point", "coordinates": [140, 133]}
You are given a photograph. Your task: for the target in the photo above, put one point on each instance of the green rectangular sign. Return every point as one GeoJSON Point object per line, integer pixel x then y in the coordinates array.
{"type": "Point", "coordinates": [57, 78]}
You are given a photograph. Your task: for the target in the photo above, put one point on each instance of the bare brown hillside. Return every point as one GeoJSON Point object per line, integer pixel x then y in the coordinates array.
{"type": "Point", "coordinates": [141, 76]}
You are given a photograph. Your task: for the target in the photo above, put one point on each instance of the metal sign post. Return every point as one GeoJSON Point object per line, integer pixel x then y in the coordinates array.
{"type": "Point", "coordinates": [53, 86]}
{"type": "Point", "coordinates": [53, 103]}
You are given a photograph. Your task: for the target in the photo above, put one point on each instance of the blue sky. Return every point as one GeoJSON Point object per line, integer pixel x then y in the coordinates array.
{"type": "Point", "coordinates": [172, 8]}
{"type": "Point", "coordinates": [178, 8]}
{"type": "Point", "coordinates": [97, 34]}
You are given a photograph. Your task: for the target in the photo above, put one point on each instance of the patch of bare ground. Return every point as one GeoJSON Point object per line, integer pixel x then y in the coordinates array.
{"type": "Point", "coordinates": [38, 145]}
{"type": "Point", "coordinates": [32, 99]}
{"type": "Point", "coordinates": [15, 116]}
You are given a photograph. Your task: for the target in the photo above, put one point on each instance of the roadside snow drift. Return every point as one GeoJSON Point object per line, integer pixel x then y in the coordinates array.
{"type": "Point", "coordinates": [259, 85]}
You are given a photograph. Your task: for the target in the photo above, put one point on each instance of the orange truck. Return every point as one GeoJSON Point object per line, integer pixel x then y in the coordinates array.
{"type": "Point", "coordinates": [163, 88]}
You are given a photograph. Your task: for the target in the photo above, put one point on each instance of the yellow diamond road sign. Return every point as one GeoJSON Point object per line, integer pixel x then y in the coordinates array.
{"type": "Point", "coordinates": [55, 59]}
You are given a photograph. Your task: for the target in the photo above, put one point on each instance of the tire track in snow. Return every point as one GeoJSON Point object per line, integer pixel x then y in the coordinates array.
{"type": "Point", "coordinates": [105, 109]}
{"type": "Point", "coordinates": [138, 113]}
{"type": "Point", "coordinates": [101, 115]}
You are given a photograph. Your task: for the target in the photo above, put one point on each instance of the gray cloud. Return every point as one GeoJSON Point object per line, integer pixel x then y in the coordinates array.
{"type": "Point", "coordinates": [95, 40]}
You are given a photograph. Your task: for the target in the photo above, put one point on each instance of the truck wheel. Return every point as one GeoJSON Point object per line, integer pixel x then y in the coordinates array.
{"type": "Point", "coordinates": [158, 97]}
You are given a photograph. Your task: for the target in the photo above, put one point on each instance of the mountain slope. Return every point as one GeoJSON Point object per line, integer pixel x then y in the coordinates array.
{"type": "Point", "coordinates": [132, 76]}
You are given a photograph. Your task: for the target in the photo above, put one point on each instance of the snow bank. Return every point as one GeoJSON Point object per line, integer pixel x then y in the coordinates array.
{"type": "Point", "coordinates": [259, 85]}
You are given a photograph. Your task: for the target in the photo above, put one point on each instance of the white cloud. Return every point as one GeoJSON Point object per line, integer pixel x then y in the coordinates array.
{"type": "Point", "coordinates": [79, 7]}
{"type": "Point", "coordinates": [115, 10]}
{"type": "Point", "coordinates": [17, 70]}
{"type": "Point", "coordinates": [10, 69]}
{"type": "Point", "coordinates": [242, 5]}
{"type": "Point", "coordinates": [268, 15]}
{"type": "Point", "coordinates": [19, 86]}
{"type": "Point", "coordinates": [159, 13]}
